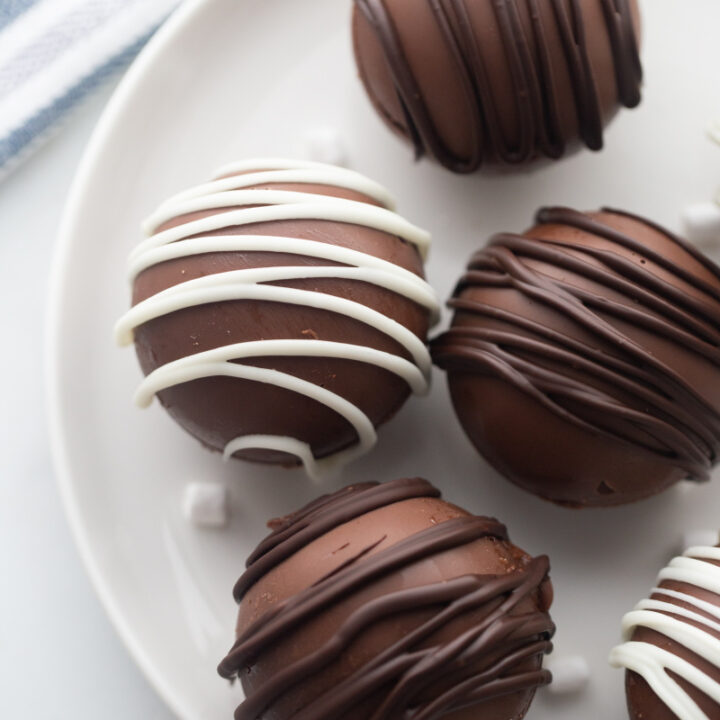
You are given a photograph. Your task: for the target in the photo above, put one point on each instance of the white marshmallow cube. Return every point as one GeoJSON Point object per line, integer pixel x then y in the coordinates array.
{"type": "Point", "coordinates": [324, 144]}
{"type": "Point", "coordinates": [205, 504]}
{"type": "Point", "coordinates": [702, 224]}
{"type": "Point", "coordinates": [714, 131]}
{"type": "Point", "coordinates": [571, 674]}
{"type": "Point", "coordinates": [700, 538]}
{"type": "Point", "coordinates": [685, 486]}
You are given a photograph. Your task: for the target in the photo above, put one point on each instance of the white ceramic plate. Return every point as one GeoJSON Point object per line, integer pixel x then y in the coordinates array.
{"type": "Point", "coordinates": [229, 79]}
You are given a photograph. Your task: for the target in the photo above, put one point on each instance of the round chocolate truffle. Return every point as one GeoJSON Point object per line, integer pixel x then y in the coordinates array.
{"type": "Point", "coordinates": [672, 648]}
{"type": "Point", "coordinates": [584, 357]}
{"type": "Point", "coordinates": [498, 81]}
{"type": "Point", "coordinates": [280, 312]}
{"type": "Point", "coordinates": [383, 601]}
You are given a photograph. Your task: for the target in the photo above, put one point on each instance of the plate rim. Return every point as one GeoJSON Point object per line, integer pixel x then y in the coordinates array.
{"type": "Point", "coordinates": [64, 445]}
{"type": "Point", "coordinates": [55, 408]}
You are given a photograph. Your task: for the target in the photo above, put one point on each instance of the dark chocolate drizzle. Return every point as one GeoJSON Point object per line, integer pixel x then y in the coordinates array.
{"type": "Point", "coordinates": [404, 670]}
{"type": "Point", "coordinates": [676, 424]}
{"type": "Point", "coordinates": [321, 516]}
{"type": "Point", "coordinates": [535, 93]}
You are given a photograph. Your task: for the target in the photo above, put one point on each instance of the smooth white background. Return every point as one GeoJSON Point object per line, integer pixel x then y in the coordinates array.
{"type": "Point", "coordinates": [60, 659]}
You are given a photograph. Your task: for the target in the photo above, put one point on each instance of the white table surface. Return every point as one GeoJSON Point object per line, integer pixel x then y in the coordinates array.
{"type": "Point", "coordinates": [60, 659]}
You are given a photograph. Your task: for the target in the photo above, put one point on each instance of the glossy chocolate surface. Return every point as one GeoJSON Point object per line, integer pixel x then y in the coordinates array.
{"type": "Point", "coordinates": [503, 82]}
{"type": "Point", "coordinates": [383, 601]}
{"type": "Point", "coordinates": [584, 357]}
{"type": "Point", "coordinates": [218, 409]}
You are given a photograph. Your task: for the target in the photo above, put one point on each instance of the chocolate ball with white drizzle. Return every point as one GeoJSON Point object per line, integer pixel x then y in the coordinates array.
{"type": "Point", "coordinates": [280, 312]}
{"type": "Point", "coordinates": [672, 648]}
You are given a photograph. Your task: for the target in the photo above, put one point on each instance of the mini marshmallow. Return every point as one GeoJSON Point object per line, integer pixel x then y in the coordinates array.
{"type": "Point", "coordinates": [700, 538]}
{"type": "Point", "coordinates": [324, 144]}
{"type": "Point", "coordinates": [571, 674]}
{"type": "Point", "coordinates": [686, 486]}
{"type": "Point", "coordinates": [205, 504]}
{"type": "Point", "coordinates": [714, 131]}
{"type": "Point", "coordinates": [702, 224]}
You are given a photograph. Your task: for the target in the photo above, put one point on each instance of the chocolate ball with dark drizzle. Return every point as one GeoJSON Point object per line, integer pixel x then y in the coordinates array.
{"type": "Point", "coordinates": [383, 601]}
{"type": "Point", "coordinates": [584, 357]}
{"type": "Point", "coordinates": [503, 82]}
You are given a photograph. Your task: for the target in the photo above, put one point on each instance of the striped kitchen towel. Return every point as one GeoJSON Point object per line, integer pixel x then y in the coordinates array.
{"type": "Point", "coordinates": [54, 52]}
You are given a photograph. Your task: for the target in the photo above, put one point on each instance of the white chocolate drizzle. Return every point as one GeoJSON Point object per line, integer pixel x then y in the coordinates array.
{"type": "Point", "coordinates": [671, 620]}
{"type": "Point", "coordinates": [231, 196]}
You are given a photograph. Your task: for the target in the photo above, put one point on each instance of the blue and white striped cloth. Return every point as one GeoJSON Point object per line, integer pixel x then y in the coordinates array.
{"type": "Point", "coordinates": [54, 52]}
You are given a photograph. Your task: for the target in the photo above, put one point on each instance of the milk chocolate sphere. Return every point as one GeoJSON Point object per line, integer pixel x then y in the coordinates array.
{"type": "Point", "coordinates": [583, 359]}
{"type": "Point", "coordinates": [501, 82]}
{"type": "Point", "coordinates": [672, 648]}
{"type": "Point", "coordinates": [385, 602]}
{"type": "Point", "coordinates": [280, 312]}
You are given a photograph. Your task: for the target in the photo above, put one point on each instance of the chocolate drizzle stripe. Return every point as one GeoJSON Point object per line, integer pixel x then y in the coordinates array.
{"type": "Point", "coordinates": [420, 123]}
{"type": "Point", "coordinates": [577, 303]}
{"type": "Point", "coordinates": [320, 517]}
{"type": "Point", "coordinates": [521, 71]}
{"type": "Point", "coordinates": [510, 637]}
{"type": "Point", "coordinates": [660, 409]}
{"type": "Point", "coordinates": [687, 246]}
{"type": "Point", "coordinates": [477, 689]}
{"type": "Point", "coordinates": [304, 605]}
{"type": "Point", "coordinates": [552, 141]}
{"type": "Point", "coordinates": [385, 606]}
{"type": "Point", "coordinates": [622, 39]}
{"type": "Point", "coordinates": [414, 670]}
{"type": "Point", "coordinates": [573, 218]}
{"type": "Point", "coordinates": [568, 301]}
{"type": "Point", "coordinates": [660, 385]}
{"type": "Point", "coordinates": [628, 279]}
{"type": "Point", "coordinates": [535, 92]}
{"type": "Point", "coordinates": [409, 664]}
{"type": "Point", "coordinates": [605, 415]}
{"type": "Point", "coordinates": [661, 412]}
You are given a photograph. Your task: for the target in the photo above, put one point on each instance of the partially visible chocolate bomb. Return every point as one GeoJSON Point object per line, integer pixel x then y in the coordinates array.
{"type": "Point", "coordinates": [280, 312]}
{"type": "Point", "coordinates": [584, 357]}
{"type": "Point", "coordinates": [672, 648]}
{"type": "Point", "coordinates": [383, 601]}
{"type": "Point", "coordinates": [498, 81]}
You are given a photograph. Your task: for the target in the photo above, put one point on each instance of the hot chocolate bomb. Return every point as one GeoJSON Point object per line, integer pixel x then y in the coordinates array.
{"type": "Point", "coordinates": [498, 81]}
{"type": "Point", "coordinates": [584, 357]}
{"type": "Point", "coordinates": [672, 648]}
{"type": "Point", "coordinates": [380, 602]}
{"type": "Point", "coordinates": [280, 312]}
